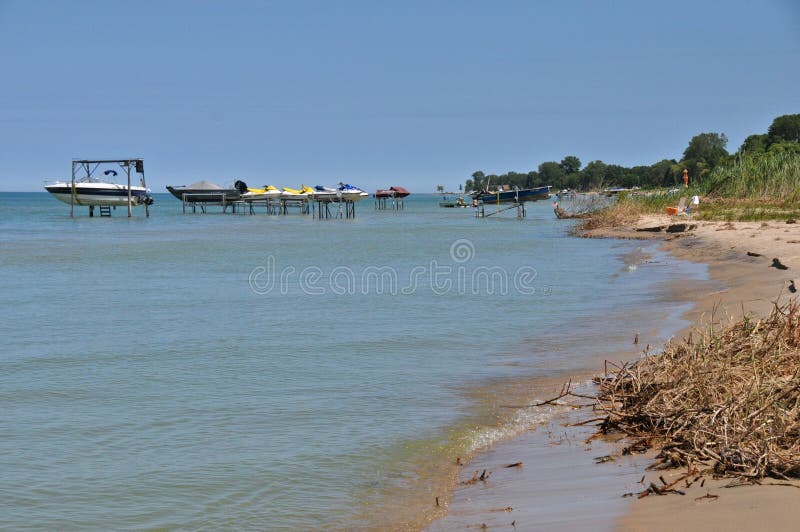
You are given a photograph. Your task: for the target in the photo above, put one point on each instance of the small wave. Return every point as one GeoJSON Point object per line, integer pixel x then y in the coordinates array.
{"type": "Point", "coordinates": [522, 421]}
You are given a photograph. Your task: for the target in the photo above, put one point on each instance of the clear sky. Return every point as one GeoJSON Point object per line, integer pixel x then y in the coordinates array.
{"type": "Point", "coordinates": [379, 92]}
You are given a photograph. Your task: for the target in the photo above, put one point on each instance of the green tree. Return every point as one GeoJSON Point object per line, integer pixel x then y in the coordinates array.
{"type": "Point", "coordinates": [551, 173]}
{"type": "Point", "coordinates": [514, 179]}
{"type": "Point", "coordinates": [477, 182]}
{"type": "Point", "coordinates": [784, 147]}
{"type": "Point", "coordinates": [707, 148]}
{"type": "Point", "coordinates": [664, 173]}
{"type": "Point", "coordinates": [572, 181]}
{"type": "Point", "coordinates": [571, 164]}
{"type": "Point", "coordinates": [785, 128]}
{"type": "Point", "coordinates": [594, 175]}
{"type": "Point", "coordinates": [755, 144]}
{"type": "Point", "coordinates": [615, 174]}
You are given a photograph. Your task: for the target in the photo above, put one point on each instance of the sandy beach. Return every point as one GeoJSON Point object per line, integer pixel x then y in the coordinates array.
{"type": "Point", "coordinates": [562, 487]}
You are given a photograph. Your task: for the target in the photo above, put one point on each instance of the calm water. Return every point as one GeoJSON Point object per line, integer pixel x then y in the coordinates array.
{"type": "Point", "coordinates": [208, 371]}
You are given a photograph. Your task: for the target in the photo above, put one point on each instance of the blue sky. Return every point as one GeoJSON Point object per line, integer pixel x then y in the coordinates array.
{"type": "Point", "coordinates": [381, 93]}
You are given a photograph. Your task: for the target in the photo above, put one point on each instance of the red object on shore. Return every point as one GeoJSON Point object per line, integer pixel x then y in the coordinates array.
{"type": "Point", "coordinates": [392, 192]}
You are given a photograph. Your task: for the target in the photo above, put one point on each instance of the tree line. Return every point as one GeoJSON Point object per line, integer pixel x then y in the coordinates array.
{"type": "Point", "coordinates": [705, 152]}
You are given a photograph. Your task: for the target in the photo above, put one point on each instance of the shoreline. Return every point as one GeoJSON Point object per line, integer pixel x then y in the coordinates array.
{"type": "Point", "coordinates": [737, 282]}
{"type": "Point", "coordinates": [751, 286]}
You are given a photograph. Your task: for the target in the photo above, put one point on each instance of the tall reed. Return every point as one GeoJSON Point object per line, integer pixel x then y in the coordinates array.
{"type": "Point", "coordinates": [766, 176]}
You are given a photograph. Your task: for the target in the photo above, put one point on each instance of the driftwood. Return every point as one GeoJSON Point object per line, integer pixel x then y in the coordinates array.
{"type": "Point", "coordinates": [561, 214]}
{"type": "Point", "coordinates": [729, 401]}
{"type": "Point", "coordinates": [680, 228]}
{"type": "Point", "coordinates": [670, 228]}
{"type": "Point", "coordinates": [776, 263]}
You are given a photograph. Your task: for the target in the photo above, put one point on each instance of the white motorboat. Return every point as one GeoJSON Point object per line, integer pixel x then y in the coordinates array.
{"type": "Point", "coordinates": [97, 193]}
{"type": "Point", "coordinates": [89, 189]}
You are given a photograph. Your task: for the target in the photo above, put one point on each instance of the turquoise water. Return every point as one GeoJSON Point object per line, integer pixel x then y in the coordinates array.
{"type": "Point", "coordinates": [207, 371]}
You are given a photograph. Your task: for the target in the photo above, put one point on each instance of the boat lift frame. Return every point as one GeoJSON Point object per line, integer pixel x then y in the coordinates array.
{"type": "Point", "coordinates": [480, 210]}
{"type": "Point", "coordinates": [322, 210]}
{"type": "Point", "coordinates": [388, 202]}
{"type": "Point", "coordinates": [89, 166]}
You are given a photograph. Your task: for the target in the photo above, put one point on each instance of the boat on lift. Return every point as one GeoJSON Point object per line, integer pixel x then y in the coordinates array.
{"type": "Point", "coordinates": [205, 192]}
{"type": "Point", "coordinates": [514, 195]}
{"type": "Point", "coordinates": [302, 193]}
{"type": "Point", "coordinates": [93, 189]}
{"type": "Point", "coordinates": [351, 193]}
{"type": "Point", "coordinates": [97, 192]}
{"type": "Point", "coordinates": [264, 193]}
{"type": "Point", "coordinates": [323, 193]}
{"type": "Point", "coordinates": [391, 192]}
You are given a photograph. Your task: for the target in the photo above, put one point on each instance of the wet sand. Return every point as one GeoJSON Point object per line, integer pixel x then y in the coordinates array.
{"type": "Point", "coordinates": [560, 487]}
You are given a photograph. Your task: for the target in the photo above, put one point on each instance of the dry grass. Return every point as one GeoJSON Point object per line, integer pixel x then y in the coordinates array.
{"type": "Point", "coordinates": [617, 215]}
{"type": "Point", "coordinates": [730, 400]}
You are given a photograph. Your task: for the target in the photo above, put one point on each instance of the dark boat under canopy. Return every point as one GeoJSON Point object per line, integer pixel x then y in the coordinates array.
{"type": "Point", "coordinates": [204, 192]}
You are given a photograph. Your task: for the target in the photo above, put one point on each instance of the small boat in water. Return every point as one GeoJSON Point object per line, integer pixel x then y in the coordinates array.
{"type": "Point", "coordinates": [205, 192]}
{"type": "Point", "coordinates": [452, 204]}
{"type": "Point", "coordinates": [514, 196]}
{"type": "Point", "coordinates": [391, 192]}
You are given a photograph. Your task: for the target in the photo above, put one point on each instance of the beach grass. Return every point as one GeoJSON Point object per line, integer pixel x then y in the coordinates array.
{"type": "Point", "coordinates": [749, 188]}
{"type": "Point", "coordinates": [769, 177]}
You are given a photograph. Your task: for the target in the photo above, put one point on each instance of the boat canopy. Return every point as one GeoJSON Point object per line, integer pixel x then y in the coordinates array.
{"type": "Point", "coordinates": [204, 185]}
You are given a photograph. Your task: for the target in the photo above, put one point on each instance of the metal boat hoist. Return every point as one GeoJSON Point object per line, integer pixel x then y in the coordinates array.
{"type": "Point", "coordinates": [480, 208]}
{"type": "Point", "coordinates": [388, 202]}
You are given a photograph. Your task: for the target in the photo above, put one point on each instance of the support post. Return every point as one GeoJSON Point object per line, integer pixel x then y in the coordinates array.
{"type": "Point", "coordinates": [72, 193]}
{"type": "Point", "coordinates": [128, 171]}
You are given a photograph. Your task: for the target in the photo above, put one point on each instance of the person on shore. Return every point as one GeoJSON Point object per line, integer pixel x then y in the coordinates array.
{"type": "Point", "coordinates": [685, 178]}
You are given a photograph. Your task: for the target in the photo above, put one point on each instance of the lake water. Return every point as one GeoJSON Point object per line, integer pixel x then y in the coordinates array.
{"type": "Point", "coordinates": [235, 371]}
